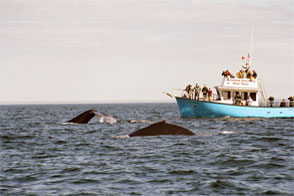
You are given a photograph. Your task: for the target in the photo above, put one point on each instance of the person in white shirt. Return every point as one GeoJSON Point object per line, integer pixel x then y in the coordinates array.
{"type": "Point", "coordinates": [249, 101]}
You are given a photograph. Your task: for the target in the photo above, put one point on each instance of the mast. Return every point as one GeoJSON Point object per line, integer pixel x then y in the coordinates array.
{"type": "Point", "coordinates": [248, 64]}
{"type": "Point", "coordinates": [252, 33]}
{"type": "Point", "coordinates": [260, 83]}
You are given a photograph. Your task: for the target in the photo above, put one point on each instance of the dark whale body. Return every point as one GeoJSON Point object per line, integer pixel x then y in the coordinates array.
{"type": "Point", "coordinates": [162, 128]}
{"type": "Point", "coordinates": [84, 117]}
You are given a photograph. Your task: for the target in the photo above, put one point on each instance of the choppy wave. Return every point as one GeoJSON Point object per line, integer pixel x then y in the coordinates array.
{"type": "Point", "coordinates": [227, 156]}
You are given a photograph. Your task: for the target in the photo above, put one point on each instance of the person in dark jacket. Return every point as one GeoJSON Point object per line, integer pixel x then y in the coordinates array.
{"type": "Point", "coordinates": [283, 103]}
{"type": "Point", "coordinates": [187, 90]}
{"type": "Point", "coordinates": [249, 74]}
{"type": "Point", "coordinates": [237, 99]}
{"type": "Point", "coordinates": [291, 100]}
{"type": "Point", "coordinates": [197, 90]}
{"type": "Point", "coordinates": [209, 94]}
{"type": "Point", "coordinates": [225, 73]}
{"type": "Point", "coordinates": [271, 101]}
{"type": "Point", "coordinates": [254, 74]}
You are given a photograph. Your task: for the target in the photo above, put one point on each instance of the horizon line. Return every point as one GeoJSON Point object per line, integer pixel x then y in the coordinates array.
{"type": "Point", "coordinates": [84, 102]}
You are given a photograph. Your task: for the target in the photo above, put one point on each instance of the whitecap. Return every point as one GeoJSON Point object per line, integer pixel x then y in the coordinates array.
{"type": "Point", "coordinates": [227, 132]}
{"type": "Point", "coordinates": [122, 136]}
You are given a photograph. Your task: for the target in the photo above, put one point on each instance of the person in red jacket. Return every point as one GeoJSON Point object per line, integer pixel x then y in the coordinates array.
{"type": "Point", "coordinates": [209, 94]}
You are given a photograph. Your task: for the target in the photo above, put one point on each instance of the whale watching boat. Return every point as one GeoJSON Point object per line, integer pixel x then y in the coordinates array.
{"type": "Point", "coordinates": [224, 102]}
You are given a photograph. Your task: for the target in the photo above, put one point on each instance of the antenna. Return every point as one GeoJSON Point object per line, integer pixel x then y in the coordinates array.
{"type": "Point", "coordinates": [252, 32]}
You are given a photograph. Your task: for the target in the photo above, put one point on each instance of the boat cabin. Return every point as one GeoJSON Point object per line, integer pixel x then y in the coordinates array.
{"type": "Point", "coordinates": [243, 86]}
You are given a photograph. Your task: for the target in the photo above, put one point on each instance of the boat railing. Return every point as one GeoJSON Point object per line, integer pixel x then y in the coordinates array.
{"type": "Point", "coordinates": [275, 104]}
{"type": "Point", "coordinates": [262, 92]}
{"type": "Point", "coordinates": [215, 97]}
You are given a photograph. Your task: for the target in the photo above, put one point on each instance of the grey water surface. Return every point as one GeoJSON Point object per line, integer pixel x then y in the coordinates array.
{"type": "Point", "coordinates": [228, 156]}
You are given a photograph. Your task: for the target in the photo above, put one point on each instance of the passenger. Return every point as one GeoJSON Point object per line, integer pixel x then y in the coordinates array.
{"type": "Point", "coordinates": [254, 74]}
{"type": "Point", "coordinates": [229, 74]}
{"type": "Point", "coordinates": [283, 103]}
{"type": "Point", "coordinates": [249, 101]}
{"type": "Point", "coordinates": [243, 73]}
{"type": "Point", "coordinates": [271, 101]}
{"type": "Point", "coordinates": [187, 90]}
{"type": "Point", "coordinates": [291, 100]}
{"type": "Point", "coordinates": [191, 92]}
{"type": "Point", "coordinates": [237, 99]}
{"type": "Point", "coordinates": [209, 94]}
{"type": "Point", "coordinates": [225, 73]}
{"type": "Point", "coordinates": [204, 92]}
{"type": "Point", "coordinates": [186, 94]}
{"type": "Point", "coordinates": [246, 67]}
{"type": "Point", "coordinates": [249, 74]}
{"type": "Point", "coordinates": [197, 90]}
{"type": "Point", "coordinates": [240, 74]}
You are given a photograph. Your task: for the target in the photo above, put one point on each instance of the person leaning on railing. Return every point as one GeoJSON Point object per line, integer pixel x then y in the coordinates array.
{"type": "Point", "coordinates": [209, 94]}
{"type": "Point", "coordinates": [283, 103]}
{"type": "Point", "coordinates": [291, 100]}
{"type": "Point", "coordinates": [187, 92]}
{"type": "Point", "coordinates": [204, 92]}
{"type": "Point", "coordinates": [271, 100]}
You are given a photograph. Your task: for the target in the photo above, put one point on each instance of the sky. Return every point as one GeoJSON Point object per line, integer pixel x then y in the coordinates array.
{"type": "Point", "coordinates": [132, 50]}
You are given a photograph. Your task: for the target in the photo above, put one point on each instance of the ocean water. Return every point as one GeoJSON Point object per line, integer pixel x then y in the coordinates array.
{"type": "Point", "coordinates": [228, 156]}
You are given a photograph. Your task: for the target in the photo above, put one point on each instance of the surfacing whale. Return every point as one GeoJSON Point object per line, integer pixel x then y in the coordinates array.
{"type": "Point", "coordinates": [86, 116]}
{"type": "Point", "coordinates": [161, 128]}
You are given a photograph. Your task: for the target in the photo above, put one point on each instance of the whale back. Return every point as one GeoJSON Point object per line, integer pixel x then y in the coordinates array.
{"type": "Point", "coordinates": [162, 128]}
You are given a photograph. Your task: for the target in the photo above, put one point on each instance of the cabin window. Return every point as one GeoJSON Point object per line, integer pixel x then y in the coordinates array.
{"type": "Point", "coordinates": [253, 96]}
{"type": "Point", "coordinates": [235, 93]}
{"type": "Point", "coordinates": [226, 95]}
{"type": "Point", "coordinates": [244, 95]}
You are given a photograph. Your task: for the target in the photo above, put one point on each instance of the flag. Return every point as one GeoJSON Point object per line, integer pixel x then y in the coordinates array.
{"type": "Point", "coordinates": [246, 57]}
